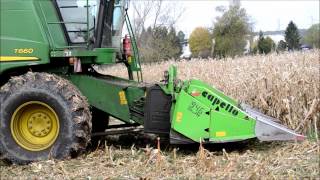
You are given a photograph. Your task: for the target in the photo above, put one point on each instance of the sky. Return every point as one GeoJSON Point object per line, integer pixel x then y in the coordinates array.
{"type": "Point", "coordinates": [267, 15]}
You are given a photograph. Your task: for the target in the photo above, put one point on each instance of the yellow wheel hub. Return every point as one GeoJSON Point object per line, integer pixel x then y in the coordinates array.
{"type": "Point", "coordinates": [34, 126]}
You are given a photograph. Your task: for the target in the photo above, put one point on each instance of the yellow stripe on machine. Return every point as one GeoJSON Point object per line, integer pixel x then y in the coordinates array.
{"type": "Point", "coordinates": [17, 58]}
{"type": "Point", "coordinates": [220, 133]}
{"type": "Point", "coordinates": [123, 99]}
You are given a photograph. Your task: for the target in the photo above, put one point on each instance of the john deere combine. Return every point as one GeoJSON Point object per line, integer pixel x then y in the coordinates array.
{"type": "Point", "coordinates": [52, 98]}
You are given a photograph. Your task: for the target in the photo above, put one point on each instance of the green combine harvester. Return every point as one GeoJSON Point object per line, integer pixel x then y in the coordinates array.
{"type": "Point", "coordinates": [53, 100]}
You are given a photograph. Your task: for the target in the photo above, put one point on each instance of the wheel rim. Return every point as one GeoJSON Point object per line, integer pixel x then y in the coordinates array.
{"type": "Point", "coordinates": [34, 126]}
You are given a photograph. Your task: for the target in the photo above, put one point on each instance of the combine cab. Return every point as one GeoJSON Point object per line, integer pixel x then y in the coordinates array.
{"type": "Point", "coordinates": [52, 98]}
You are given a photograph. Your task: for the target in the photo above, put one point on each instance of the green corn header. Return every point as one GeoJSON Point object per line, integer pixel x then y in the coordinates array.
{"type": "Point", "coordinates": [53, 100]}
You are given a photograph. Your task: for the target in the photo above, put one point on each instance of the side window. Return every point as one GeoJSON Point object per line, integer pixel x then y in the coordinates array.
{"type": "Point", "coordinates": [117, 16]}
{"type": "Point", "coordinates": [74, 15]}
{"type": "Point", "coordinates": [117, 23]}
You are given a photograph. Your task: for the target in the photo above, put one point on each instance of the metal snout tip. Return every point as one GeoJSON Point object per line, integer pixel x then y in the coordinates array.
{"type": "Point", "coordinates": [271, 131]}
{"type": "Point", "coordinates": [300, 137]}
{"type": "Point", "coordinates": [267, 128]}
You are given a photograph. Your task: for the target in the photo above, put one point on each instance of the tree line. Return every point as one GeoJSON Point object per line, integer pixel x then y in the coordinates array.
{"type": "Point", "coordinates": [231, 35]}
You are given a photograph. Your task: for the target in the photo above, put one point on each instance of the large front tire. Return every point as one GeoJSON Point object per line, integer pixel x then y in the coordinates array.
{"type": "Point", "coordinates": [42, 116]}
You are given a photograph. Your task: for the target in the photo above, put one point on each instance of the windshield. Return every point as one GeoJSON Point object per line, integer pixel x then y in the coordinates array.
{"type": "Point", "coordinates": [106, 33]}
{"type": "Point", "coordinates": [74, 15]}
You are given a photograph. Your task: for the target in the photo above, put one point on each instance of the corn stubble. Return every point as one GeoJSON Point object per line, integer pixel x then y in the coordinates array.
{"type": "Point", "coordinates": [284, 86]}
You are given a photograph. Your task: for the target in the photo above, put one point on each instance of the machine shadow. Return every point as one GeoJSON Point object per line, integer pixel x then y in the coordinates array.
{"type": "Point", "coordinates": [143, 140]}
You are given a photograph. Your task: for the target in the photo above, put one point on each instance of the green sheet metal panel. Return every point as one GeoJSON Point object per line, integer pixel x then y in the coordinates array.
{"type": "Point", "coordinates": [103, 95]}
{"type": "Point", "coordinates": [97, 55]}
{"type": "Point", "coordinates": [204, 112]}
{"type": "Point", "coordinates": [49, 17]}
{"type": "Point", "coordinates": [111, 94]}
{"type": "Point", "coordinates": [213, 98]}
{"type": "Point", "coordinates": [190, 117]}
{"type": "Point", "coordinates": [228, 122]}
{"type": "Point", "coordinates": [225, 127]}
{"type": "Point", "coordinates": [199, 86]}
{"type": "Point", "coordinates": [23, 41]}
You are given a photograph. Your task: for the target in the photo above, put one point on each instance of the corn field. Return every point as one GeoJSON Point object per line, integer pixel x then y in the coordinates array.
{"type": "Point", "coordinates": [285, 86]}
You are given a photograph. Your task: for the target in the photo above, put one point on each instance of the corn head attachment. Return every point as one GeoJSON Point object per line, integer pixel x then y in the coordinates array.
{"type": "Point", "coordinates": [202, 113]}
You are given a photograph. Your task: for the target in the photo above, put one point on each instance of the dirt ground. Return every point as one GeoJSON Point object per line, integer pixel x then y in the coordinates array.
{"type": "Point", "coordinates": [243, 160]}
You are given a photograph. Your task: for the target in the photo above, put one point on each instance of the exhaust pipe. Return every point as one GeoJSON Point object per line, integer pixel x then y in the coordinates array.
{"type": "Point", "coordinates": [267, 129]}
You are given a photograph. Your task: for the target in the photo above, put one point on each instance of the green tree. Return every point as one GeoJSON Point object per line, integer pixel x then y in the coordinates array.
{"type": "Point", "coordinates": [254, 47]}
{"type": "Point", "coordinates": [200, 42]}
{"type": "Point", "coordinates": [271, 45]}
{"type": "Point", "coordinates": [174, 43]}
{"type": "Point", "coordinates": [181, 36]}
{"type": "Point", "coordinates": [260, 43]}
{"type": "Point", "coordinates": [282, 46]}
{"type": "Point", "coordinates": [265, 45]}
{"type": "Point", "coordinates": [292, 36]}
{"type": "Point", "coordinates": [312, 36]}
{"type": "Point", "coordinates": [231, 32]}
{"type": "Point", "coordinates": [159, 43]}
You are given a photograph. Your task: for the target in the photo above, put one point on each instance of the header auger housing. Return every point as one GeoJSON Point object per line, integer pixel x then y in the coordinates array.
{"type": "Point", "coordinates": [52, 99]}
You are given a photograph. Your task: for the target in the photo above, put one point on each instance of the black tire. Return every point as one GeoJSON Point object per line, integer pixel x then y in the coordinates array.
{"type": "Point", "coordinates": [64, 98]}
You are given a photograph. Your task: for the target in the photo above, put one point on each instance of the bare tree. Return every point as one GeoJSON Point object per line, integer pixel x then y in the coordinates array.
{"type": "Point", "coordinates": [141, 11]}
{"type": "Point", "coordinates": [155, 13]}
{"type": "Point", "coordinates": [152, 23]}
